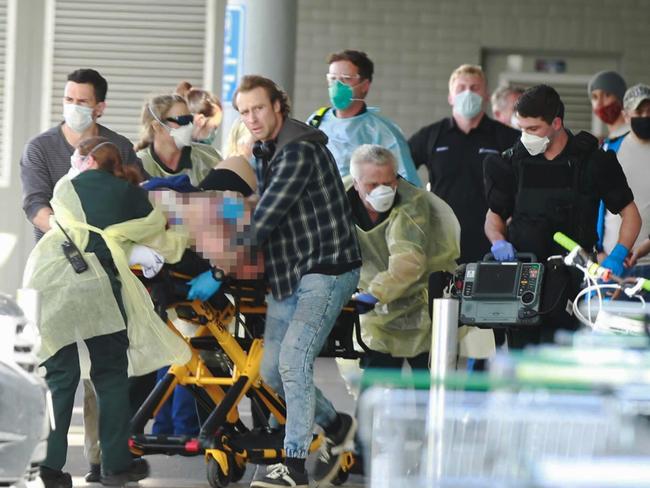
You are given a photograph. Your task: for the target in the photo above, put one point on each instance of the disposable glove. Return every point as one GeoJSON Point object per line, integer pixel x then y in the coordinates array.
{"type": "Point", "coordinates": [503, 251]}
{"type": "Point", "coordinates": [616, 259]}
{"type": "Point", "coordinates": [203, 286]}
{"type": "Point", "coordinates": [364, 302]}
{"type": "Point", "coordinates": [179, 183]}
{"type": "Point", "coordinates": [233, 208]}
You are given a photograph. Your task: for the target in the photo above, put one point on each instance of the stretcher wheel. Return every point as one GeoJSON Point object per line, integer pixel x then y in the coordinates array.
{"type": "Point", "coordinates": [216, 477]}
{"type": "Point", "coordinates": [236, 471]}
{"type": "Point", "coordinates": [340, 478]}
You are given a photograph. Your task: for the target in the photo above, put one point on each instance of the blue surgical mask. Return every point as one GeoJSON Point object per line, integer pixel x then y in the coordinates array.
{"type": "Point", "coordinates": [468, 104]}
{"type": "Point", "coordinates": [77, 117]}
{"type": "Point", "coordinates": [340, 95]}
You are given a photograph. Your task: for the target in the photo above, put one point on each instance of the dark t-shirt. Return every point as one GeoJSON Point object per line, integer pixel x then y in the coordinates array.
{"type": "Point", "coordinates": [455, 163]}
{"type": "Point", "coordinates": [601, 179]}
{"type": "Point", "coordinates": [46, 159]}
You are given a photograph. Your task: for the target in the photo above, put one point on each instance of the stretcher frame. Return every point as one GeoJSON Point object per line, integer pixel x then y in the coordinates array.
{"type": "Point", "coordinates": [226, 462]}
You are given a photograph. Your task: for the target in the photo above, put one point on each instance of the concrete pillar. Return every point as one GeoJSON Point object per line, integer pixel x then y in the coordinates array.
{"type": "Point", "coordinates": [24, 74]}
{"type": "Point", "coordinates": [270, 40]}
{"type": "Point", "coordinates": [269, 45]}
{"type": "Point", "coordinates": [213, 58]}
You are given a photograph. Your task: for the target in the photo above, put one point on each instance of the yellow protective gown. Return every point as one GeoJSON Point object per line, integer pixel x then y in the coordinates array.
{"type": "Point", "coordinates": [203, 157]}
{"type": "Point", "coordinates": [420, 236]}
{"type": "Point", "coordinates": [76, 306]}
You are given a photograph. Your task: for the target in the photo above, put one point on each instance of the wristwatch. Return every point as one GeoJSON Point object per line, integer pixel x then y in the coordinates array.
{"type": "Point", "coordinates": [218, 274]}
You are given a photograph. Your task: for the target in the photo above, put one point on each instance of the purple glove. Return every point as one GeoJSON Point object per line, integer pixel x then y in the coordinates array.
{"type": "Point", "coordinates": [503, 251]}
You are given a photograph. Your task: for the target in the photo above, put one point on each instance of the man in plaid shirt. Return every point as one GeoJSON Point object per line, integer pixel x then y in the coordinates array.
{"type": "Point", "coordinates": [303, 224]}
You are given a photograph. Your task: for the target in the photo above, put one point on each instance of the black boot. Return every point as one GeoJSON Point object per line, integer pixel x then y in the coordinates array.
{"type": "Point", "coordinates": [53, 478]}
{"type": "Point", "coordinates": [94, 474]}
{"type": "Point", "coordinates": [138, 470]}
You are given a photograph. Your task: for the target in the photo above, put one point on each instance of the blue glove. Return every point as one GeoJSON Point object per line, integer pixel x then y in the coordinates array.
{"type": "Point", "coordinates": [203, 286]}
{"type": "Point", "coordinates": [233, 208]}
{"type": "Point", "coordinates": [615, 259]}
{"type": "Point", "coordinates": [179, 183]}
{"type": "Point", "coordinates": [364, 302]}
{"type": "Point", "coordinates": [503, 251]}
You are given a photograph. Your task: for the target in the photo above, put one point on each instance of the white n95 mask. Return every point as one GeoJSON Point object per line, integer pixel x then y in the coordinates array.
{"type": "Point", "coordinates": [381, 198]}
{"type": "Point", "coordinates": [182, 135]}
{"type": "Point", "coordinates": [534, 144]}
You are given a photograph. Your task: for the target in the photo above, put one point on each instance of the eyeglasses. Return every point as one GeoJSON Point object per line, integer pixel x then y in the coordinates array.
{"type": "Point", "coordinates": [346, 79]}
{"type": "Point", "coordinates": [181, 119]}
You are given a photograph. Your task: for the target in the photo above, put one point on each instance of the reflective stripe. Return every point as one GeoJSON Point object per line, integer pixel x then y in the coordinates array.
{"type": "Point", "coordinates": [318, 117]}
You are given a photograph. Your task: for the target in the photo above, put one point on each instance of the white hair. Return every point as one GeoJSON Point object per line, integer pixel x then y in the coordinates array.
{"type": "Point", "coordinates": [371, 154]}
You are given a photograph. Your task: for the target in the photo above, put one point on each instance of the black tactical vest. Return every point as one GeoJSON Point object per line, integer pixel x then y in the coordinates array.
{"type": "Point", "coordinates": [554, 196]}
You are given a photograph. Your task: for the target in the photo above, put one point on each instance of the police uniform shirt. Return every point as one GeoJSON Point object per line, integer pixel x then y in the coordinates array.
{"type": "Point", "coordinates": [601, 179]}
{"type": "Point", "coordinates": [455, 163]}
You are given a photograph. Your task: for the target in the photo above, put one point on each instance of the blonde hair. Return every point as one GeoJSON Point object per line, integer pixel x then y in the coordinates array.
{"type": "Point", "coordinates": [238, 137]}
{"type": "Point", "coordinates": [156, 106]}
{"type": "Point", "coordinates": [466, 69]}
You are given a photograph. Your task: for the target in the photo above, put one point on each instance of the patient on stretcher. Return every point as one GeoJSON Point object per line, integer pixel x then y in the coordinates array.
{"type": "Point", "coordinates": [217, 219]}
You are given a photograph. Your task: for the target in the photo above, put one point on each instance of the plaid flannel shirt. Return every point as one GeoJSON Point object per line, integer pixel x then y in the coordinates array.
{"type": "Point", "coordinates": [303, 219]}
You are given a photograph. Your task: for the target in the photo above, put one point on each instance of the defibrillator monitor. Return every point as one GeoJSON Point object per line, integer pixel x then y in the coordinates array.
{"type": "Point", "coordinates": [501, 294]}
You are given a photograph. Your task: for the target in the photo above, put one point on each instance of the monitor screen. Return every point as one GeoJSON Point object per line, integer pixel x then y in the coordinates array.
{"type": "Point", "coordinates": [496, 279]}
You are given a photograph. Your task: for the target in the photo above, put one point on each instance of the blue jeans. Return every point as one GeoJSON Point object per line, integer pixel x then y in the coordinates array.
{"type": "Point", "coordinates": [296, 330]}
{"type": "Point", "coordinates": [639, 271]}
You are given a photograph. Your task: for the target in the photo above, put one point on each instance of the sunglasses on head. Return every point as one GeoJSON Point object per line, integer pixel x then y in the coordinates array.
{"type": "Point", "coordinates": [181, 119]}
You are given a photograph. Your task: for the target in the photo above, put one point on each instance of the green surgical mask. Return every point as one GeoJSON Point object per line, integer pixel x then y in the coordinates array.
{"type": "Point", "coordinates": [340, 95]}
{"type": "Point", "coordinates": [209, 139]}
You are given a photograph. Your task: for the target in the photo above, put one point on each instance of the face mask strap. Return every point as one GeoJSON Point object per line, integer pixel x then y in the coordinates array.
{"type": "Point", "coordinates": [156, 117]}
{"type": "Point", "coordinates": [94, 149]}
{"type": "Point", "coordinates": [105, 143]}
{"type": "Point", "coordinates": [352, 89]}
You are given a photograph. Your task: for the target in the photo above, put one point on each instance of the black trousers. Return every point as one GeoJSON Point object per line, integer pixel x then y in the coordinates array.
{"type": "Point", "coordinates": [381, 360]}
{"type": "Point", "coordinates": [561, 285]}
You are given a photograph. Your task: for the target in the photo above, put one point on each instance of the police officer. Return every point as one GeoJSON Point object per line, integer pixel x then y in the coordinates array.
{"type": "Point", "coordinates": [549, 181]}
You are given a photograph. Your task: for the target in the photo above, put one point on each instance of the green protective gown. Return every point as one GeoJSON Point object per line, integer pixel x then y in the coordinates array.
{"type": "Point", "coordinates": [203, 158]}
{"type": "Point", "coordinates": [81, 306]}
{"type": "Point", "coordinates": [420, 236]}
